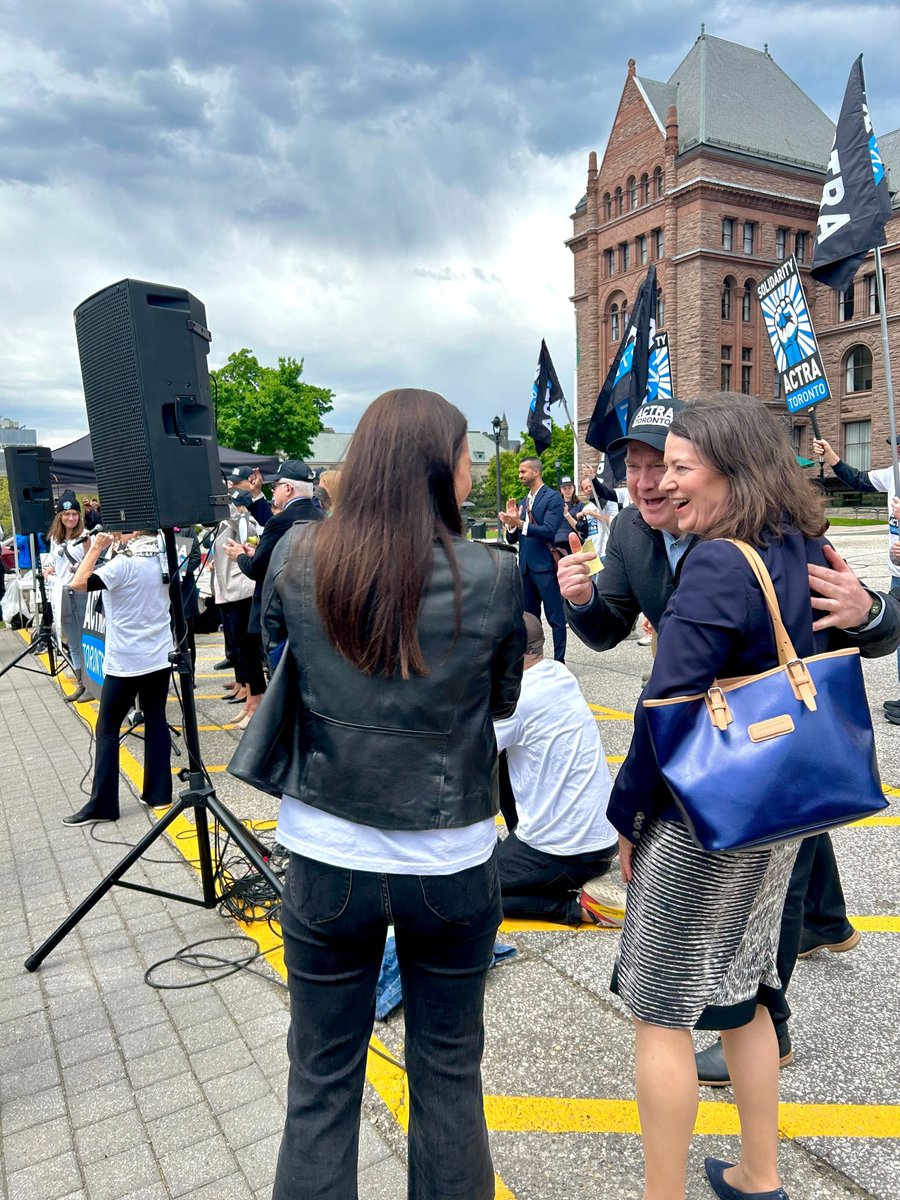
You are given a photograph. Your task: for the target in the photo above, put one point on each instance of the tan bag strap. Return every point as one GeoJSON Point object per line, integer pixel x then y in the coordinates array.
{"type": "Point", "coordinates": [784, 645]}
{"type": "Point", "coordinates": [798, 673]}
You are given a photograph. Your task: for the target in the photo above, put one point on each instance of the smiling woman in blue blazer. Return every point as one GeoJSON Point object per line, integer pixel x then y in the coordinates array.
{"type": "Point", "coordinates": [701, 930]}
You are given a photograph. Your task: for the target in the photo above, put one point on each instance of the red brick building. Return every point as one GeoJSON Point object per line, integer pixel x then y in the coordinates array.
{"type": "Point", "coordinates": [715, 176]}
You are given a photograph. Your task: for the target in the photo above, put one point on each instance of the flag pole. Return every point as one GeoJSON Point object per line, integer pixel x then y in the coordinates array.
{"type": "Point", "coordinates": [888, 380]}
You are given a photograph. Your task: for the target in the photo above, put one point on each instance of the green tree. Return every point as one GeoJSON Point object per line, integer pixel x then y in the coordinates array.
{"type": "Point", "coordinates": [267, 410]}
{"type": "Point", "coordinates": [562, 447]}
{"type": "Point", "coordinates": [5, 506]}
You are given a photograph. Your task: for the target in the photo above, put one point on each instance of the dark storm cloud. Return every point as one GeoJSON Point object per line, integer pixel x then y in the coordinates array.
{"type": "Point", "coordinates": [393, 121]}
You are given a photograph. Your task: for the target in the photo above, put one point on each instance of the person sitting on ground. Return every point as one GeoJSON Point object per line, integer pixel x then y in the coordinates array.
{"type": "Point", "coordinates": [561, 783]}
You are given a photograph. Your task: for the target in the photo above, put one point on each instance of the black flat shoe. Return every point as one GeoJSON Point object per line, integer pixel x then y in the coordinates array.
{"type": "Point", "coordinates": [715, 1173]}
{"type": "Point", "coordinates": [83, 817]}
{"type": "Point", "coordinates": [712, 1070]}
{"type": "Point", "coordinates": [888, 704]}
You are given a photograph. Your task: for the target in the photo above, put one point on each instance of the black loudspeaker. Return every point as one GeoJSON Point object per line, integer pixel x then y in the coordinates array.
{"type": "Point", "coordinates": [30, 493]}
{"type": "Point", "coordinates": [143, 350]}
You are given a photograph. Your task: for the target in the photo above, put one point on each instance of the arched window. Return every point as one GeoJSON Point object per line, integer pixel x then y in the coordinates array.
{"type": "Point", "coordinates": [645, 188]}
{"type": "Point", "coordinates": [659, 182]}
{"type": "Point", "coordinates": [858, 369]}
{"type": "Point", "coordinates": [620, 208]}
{"type": "Point", "coordinates": [660, 310]}
{"type": "Point", "coordinates": [747, 300]}
{"type": "Point", "coordinates": [607, 205]}
{"type": "Point", "coordinates": [624, 316]}
{"type": "Point", "coordinates": [614, 332]}
{"type": "Point", "coordinates": [727, 298]}
{"type": "Point", "coordinates": [632, 193]}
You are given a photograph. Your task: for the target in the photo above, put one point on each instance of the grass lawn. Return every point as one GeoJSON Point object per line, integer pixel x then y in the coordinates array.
{"type": "Point", "coordinates": [853, 521]}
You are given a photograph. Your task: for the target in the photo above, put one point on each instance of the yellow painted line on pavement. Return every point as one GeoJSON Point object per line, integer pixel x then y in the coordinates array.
{"type": "Point", "coordinates": [615, 758]}
{"type": "Point", "coordinates": [610, 714]}
{"type": "Point", "coordinates": [549, 1114]}
{"type": "Point", "coordinates": [874, 821]}
{"type": "Point", "coordinates": [876, 924]}
{"type": "Point", "coordinates": [217, 770]}
{"type": "Point", "coordinates": [868, 924]}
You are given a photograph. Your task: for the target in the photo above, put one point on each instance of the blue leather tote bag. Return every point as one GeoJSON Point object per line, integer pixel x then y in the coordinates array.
{"type": "Point", "coordinates": [784, 754]}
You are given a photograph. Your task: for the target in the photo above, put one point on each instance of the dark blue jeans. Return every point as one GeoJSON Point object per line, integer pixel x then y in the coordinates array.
{"type": "Point", "coordinates": [335, 924]}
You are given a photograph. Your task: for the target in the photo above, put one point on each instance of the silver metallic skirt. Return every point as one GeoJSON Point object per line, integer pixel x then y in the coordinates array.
{"type": "Point", "coordinates": [701, 930]}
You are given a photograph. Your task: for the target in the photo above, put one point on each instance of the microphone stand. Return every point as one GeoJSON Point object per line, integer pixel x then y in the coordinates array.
{"type": "Point", "coordinates": [199, 796]}
{"type": "Point", "coordinates": [42, 640]}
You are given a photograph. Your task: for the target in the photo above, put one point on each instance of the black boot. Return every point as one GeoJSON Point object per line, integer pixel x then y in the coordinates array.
{"type": "Point", "coordinates": [712, 1070]}
{"type": "Point", "coordinates": [79, 690]}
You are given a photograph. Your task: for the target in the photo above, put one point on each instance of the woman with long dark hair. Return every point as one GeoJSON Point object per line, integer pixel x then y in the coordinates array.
{"type": "Point", "coordinates": [407, 640]}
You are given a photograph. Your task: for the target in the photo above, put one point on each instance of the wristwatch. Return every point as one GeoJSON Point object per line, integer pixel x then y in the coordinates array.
{"type": "Point", "coordinates": [874, 611]}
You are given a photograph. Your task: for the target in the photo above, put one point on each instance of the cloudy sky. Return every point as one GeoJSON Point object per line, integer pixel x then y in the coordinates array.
{"type": "Point", "coordinates": [381, 187]}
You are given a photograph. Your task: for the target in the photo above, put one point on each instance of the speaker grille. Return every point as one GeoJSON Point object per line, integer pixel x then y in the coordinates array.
{"type": "Point", "coordinates": [112, 392]}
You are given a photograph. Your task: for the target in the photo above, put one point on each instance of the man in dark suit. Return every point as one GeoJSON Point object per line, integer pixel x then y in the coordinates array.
{"type": "Point", "coordinates": [532, 523]}
{"type": "Point", "coordinates": [292, 493]}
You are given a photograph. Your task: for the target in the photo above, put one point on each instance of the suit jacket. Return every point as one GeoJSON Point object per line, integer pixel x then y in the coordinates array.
{"type": "Point", "coordinates": [534, 546]}
{"type": "Point", "coordinates": [257, 564]}
{"type": "Point", "coordinates": [717, 625]}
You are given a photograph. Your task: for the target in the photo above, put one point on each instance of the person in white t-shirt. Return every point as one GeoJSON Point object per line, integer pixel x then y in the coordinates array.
{"type": "Point", "coordinates": [561, 785]}
{"type": "Point", "coordinates": [136, 666]}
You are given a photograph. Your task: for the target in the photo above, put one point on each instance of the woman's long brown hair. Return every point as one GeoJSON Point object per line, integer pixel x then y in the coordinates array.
{"type": "Point", "coordinates": [397, 496]}
{"type": "Point", "coordinates": [740, 438]}
{"type": "Point", "coordinates": [59, 533]}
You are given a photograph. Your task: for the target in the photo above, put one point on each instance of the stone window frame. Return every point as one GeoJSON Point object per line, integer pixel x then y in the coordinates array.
{"type": "Point", "coordinates": [851, 370]}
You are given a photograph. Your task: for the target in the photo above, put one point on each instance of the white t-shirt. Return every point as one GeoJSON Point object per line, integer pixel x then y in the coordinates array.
{"type": "Point", "coordinates": [883, 479]}
{"type": "Point", "coordinates": [557, 766]}
{"type": "Point", "coordinates": [323, 836]}
{"type": "Point", "coordinates": [136, 607]}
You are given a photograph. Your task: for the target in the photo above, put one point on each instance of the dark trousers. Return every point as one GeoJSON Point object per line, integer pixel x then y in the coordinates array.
{"type": "Point", "coordinates": [815, 899]}
{"type": "Point", "coordinates": [542, 587]}
{"type": "Point", "coordinates": [543, 886]}
{"type": "Point", "coordinates": [116, 698]}
{"type": "Point", "coordinates": [334, 923]}
{"type": "Point", "coordinates": [246, 657]}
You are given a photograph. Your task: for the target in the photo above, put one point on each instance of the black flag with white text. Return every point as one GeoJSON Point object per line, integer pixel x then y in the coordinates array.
{"type": "Point", "coordinates": [855, 200]}
{"type": "Point", "coordinates": [546, 391]}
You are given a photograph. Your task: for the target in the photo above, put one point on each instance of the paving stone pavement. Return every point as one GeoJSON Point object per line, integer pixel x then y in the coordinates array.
{"type": "Point", "coordinates": [111, 1089]}
{"type": "Point", "coordinates": [182, 1092]}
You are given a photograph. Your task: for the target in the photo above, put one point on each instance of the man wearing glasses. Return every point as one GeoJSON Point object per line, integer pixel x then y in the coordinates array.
{"type": "Point", "coordinates": [292, 496]}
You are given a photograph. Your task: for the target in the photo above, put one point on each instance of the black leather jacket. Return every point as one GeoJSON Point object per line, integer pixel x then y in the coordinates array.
{"type": "Point", "coordinates": [405, 754]}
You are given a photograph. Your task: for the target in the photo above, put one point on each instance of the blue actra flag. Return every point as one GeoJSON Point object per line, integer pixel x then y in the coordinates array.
{"type": "Point", "coordinates": [546, 391]}
{"type": "Point", "coordinates": [626, 384]}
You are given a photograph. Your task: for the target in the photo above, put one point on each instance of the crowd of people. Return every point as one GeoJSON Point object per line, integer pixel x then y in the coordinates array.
{"type": "Point", "coordinates": [425, 703]}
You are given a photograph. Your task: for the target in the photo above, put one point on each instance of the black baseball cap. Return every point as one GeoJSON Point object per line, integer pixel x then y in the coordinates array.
{"type": "Point", "coordinates": [294, 469]}
{"type": "Point", "coordinates": [241, 498]}
{"type": "Point", "coordinates": [566, 479]}
{"type": "Point", "coordinates": [237, 473]}
{"type": "Point", "coordinates": [649, 424]}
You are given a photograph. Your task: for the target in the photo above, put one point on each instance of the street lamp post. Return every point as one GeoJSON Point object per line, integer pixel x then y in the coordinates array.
{"type": "Point", "coordinates": [496, 426]}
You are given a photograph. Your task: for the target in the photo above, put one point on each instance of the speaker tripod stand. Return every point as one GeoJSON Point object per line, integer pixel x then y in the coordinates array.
{"type": "Point", "coordinates": [199, 796]}
{"type": "Point", "coordinates": [42, 640]}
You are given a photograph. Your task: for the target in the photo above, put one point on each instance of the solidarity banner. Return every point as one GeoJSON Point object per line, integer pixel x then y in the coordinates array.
{"type": "Point", "coordinates": [793, 338]}
{"type": "Point", "coordinates": [659, 378]}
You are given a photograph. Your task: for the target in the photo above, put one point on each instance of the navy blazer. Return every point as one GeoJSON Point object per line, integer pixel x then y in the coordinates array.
{"type": "Point", "coordinates": [534, 547]}
{"type": "Point", "coordinates": [716, 625]}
